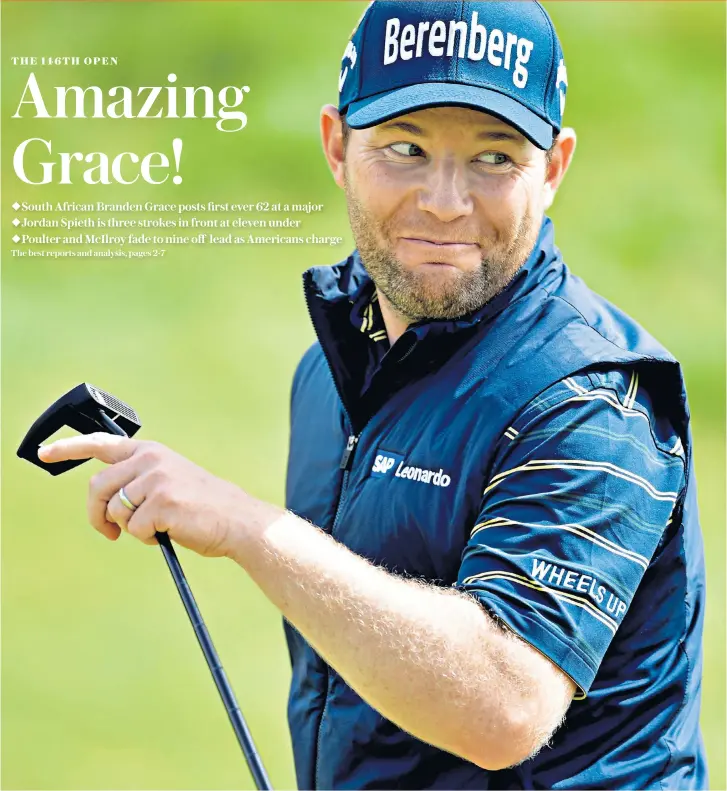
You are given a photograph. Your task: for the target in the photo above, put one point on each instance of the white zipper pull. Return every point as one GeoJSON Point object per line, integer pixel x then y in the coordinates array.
{"type": "Point", "coordinates": [348, 452]}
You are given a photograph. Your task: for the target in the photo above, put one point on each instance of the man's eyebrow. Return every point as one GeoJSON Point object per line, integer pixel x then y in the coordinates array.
{"type": "Point", "coordinates": [404, 126]}
{"type": "Point", "coordinates": [493, 135]}
{"type": "Point", "coordinates": [488, 134]}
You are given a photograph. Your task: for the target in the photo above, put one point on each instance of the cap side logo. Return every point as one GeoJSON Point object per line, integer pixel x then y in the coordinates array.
{"type": "Point", "coordinates": [561, 79]}
{"type": "Point", "coordinates": [351, 54]}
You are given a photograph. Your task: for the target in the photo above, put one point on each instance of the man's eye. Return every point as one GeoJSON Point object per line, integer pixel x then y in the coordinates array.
{"type": "Point", "coordinates": [493, 158]}
{"type": "Point", "coordinates": [407, 149]}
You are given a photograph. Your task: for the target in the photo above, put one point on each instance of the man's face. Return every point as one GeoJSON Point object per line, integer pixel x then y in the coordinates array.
{"type": "Point", "coordinates": [445, 205]}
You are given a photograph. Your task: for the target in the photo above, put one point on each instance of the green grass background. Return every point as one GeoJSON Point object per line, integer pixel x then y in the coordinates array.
{"type": "Point", "coordinates": [103, 685]}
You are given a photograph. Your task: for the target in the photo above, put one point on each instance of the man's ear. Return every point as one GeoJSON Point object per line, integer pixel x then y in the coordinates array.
{"type": "Point", "coordinates": [563, 150]}
{"type": "Point", "coordinates": [332, 140]}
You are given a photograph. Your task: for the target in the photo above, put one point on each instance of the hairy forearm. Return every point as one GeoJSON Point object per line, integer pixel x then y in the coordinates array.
{"type": "Point", "coordinates": [427, 658]}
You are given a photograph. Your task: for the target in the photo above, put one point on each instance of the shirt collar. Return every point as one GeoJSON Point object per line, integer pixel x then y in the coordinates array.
{"type": "Point", "coordinates": [366, 313]}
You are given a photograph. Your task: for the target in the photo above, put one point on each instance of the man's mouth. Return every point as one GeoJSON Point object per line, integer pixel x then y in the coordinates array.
{"type": "Point", "coordinates": [445, 244]}
{"type": "Point", "coordinates": [418, 250]}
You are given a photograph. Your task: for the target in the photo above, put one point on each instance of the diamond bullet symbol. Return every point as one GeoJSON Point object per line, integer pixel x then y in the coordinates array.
{"type": "Point", "coordinates": [16, 205]}
{"type": "Point", "coordinates": [16, 238]}
{"type": "Point", "coordinates": [16, 221]}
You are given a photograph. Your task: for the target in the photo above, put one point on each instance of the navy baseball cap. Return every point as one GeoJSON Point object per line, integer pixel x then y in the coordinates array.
{"type": "Point", "coordinates": [502, 58]}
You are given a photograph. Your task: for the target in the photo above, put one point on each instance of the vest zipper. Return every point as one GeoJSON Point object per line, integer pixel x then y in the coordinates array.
{"type": "Point", "coordinates": [345, 465]}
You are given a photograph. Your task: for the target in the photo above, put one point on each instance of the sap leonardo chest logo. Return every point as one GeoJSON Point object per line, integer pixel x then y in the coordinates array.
{"type": "Point", "coordinates": [391, 464]}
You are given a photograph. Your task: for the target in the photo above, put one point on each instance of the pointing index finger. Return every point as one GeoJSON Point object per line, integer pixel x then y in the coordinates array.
{"type": "Point", "coordinates": [107, 448]}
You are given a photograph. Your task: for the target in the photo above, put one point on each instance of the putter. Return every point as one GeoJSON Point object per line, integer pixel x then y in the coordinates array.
{"type": "Point", "coordinates": [88, 409]}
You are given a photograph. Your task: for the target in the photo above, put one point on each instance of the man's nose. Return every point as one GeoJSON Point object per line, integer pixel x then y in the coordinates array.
{"type": "Point", "coordinates": [446, 192]}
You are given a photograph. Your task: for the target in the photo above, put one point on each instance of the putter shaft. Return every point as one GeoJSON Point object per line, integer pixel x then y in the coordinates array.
{"type": "Point", "coordinates": [213, 662]}
{"type": "Point", "coordinates": [210, 654]}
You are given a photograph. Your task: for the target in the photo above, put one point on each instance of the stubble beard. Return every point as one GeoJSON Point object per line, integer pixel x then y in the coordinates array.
{"type": "Point", "coordinates": [418, 295]}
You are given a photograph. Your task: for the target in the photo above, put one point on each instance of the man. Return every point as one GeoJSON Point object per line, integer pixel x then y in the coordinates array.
{"type": "Point", "coordinates": [490, 567]}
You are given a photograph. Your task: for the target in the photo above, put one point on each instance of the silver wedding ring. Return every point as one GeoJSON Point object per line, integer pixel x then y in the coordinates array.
{"type": "Point", "coordinates": [125, 500]}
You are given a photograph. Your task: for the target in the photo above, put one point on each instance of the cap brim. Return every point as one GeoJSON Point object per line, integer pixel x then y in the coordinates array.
{"type": "Point", "coordinates": [384, 106]}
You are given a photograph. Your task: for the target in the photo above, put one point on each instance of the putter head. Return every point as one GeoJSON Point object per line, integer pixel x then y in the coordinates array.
{"type": "Point", "coordinates": [85, 409]}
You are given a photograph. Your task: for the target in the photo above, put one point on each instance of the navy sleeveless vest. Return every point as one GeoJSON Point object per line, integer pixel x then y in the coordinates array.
{"type": "Point", "coordinates": [444, 395]}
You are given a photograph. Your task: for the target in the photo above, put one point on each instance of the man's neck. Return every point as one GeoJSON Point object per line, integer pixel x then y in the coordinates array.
{"type": "Point", "coordinates": [395, 322]}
